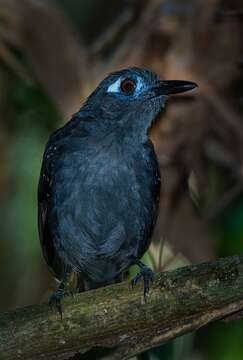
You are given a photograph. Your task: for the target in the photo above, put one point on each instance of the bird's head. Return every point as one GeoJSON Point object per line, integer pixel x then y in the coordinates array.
{"type": "Point", "coordinates": [133, 96]}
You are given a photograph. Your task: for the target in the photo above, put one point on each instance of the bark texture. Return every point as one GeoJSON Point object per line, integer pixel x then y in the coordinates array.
{"type": "Point", "coordinates": [180, 301]}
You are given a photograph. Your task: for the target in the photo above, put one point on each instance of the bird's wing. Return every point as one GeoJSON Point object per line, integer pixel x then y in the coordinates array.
{"type": "Point", "coordinates": [44, 196]}
{"type": "Point", "coordinates": [45, 234]}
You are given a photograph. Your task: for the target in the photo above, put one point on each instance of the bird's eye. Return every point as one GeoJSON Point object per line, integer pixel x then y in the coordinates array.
{"type": "Point", "coordinates": [128, 86]}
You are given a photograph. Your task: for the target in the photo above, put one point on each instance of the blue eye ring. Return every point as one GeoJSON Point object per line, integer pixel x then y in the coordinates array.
{"type": "Point", "coordinates": [128, 86]}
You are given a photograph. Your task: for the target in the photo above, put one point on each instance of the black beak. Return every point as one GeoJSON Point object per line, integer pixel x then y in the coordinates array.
{"type": "Point", "coordinates": [169, 87]}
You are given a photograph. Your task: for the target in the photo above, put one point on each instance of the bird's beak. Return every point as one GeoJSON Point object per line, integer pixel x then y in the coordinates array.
{"type": "Point", "coordinates": [169, 87]}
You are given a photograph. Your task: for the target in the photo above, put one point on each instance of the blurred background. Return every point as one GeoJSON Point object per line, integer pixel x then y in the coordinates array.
{"type": "Point", "coordinates": [52, 55]}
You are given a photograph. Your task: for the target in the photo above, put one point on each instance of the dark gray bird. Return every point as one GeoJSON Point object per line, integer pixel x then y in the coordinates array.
{"type": "Point", "coordinates": [99, 185]}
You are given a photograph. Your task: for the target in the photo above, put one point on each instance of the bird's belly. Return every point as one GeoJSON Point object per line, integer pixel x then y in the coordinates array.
{"type": "Point", "coordinates": [105, 219]}
{"type": "Point", "coordinates": [105, 241]}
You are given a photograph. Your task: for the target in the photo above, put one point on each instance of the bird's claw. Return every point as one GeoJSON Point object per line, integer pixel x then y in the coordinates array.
{"type": "Point", "coordinates": [55, 300]}
{"type": "Point", "coordinates": [148, 276]}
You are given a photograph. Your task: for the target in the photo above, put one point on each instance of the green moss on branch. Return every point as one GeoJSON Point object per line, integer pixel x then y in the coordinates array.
{"type": "Point", "coordinates": [180, 301]}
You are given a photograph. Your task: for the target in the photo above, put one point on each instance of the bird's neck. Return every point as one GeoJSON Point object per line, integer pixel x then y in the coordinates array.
{"type": "Point", "coordinates": [130, 130]}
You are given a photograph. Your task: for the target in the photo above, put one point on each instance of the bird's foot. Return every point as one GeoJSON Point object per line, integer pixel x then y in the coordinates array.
{"type": "Point", "coordinates": [148, 276]}
{"type": "Point", "coordinates": [55, 300]}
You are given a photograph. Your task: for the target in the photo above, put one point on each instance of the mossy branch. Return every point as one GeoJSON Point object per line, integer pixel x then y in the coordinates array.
{"type": "Point", "coordinates": [180, 301]}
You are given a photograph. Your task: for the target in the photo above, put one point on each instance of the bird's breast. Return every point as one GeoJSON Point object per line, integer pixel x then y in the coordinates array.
{"type": "Point", "coordinates": [106, 201]}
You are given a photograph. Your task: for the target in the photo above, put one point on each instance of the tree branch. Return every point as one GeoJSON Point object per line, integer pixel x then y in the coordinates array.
{"type": "Point", "coordinates": [180, 301]}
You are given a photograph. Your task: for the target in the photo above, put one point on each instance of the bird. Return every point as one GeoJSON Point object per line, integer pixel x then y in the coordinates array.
{"type": "Point", "coordinates": [99, 185]}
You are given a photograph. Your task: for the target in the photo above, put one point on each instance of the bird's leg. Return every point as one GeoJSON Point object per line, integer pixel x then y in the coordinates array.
{"type": "Point", "coordinates": [56, 297]}
{"type": "Point", "coordinates": [80, 287]}
{"type": "Point", "coordinates": [148, 276]}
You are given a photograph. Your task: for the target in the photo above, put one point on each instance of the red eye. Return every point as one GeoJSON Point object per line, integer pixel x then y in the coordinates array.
{"type": "Point", "coordinates": [128, 86]}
